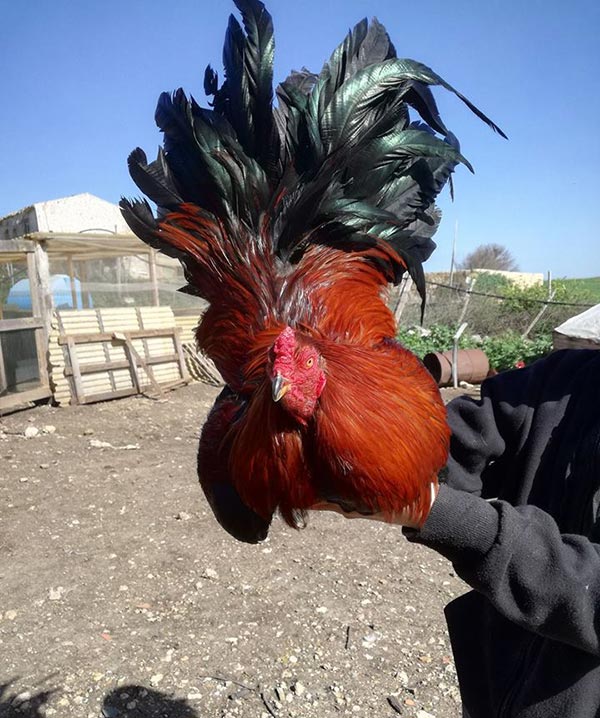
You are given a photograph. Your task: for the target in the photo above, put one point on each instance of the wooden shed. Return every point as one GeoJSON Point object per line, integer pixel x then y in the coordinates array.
{"type": "Point", "coordinates": [76, 256]}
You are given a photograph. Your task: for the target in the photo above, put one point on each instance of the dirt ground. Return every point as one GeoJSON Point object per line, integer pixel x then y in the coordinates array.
{"type": "Point", "coordinates": [121, 596]}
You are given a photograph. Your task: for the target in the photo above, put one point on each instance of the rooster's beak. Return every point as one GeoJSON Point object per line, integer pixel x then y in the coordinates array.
{"type": "Point", "coordinates": [280, 387]}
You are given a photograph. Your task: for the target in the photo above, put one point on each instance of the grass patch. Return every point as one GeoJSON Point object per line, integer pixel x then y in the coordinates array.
{"type": "Point", "coordinates": [588, 285]}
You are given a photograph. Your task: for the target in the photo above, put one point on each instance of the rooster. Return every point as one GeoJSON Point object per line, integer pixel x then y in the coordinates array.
{"type": "Point", "coordinates": [291, 221]}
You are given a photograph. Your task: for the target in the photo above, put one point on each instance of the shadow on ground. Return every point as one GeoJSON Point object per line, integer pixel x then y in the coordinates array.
{"type": "Point", "coordinates": [23, 704]}
{"type": "Point", "coordinates": [132, 701]}
{"type": "Point", "coordinates": [139, 702]}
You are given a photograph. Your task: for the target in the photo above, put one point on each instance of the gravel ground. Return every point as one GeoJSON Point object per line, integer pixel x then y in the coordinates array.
{"type": "Point", "coordinates": [121, 596]}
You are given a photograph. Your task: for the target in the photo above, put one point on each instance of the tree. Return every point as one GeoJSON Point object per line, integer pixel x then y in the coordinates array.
{"type": "Point", "coordinates": [489, 256]}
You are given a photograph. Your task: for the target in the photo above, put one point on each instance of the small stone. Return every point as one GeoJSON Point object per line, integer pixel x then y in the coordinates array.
{"type": "Point", "coordinates": [88, 432]}
{"type": "Point", "coordinates": [49, 429]}
{"type": "Point", "coordinates": [183, 516]}
{"type": "Point", "coordinates": [10, 615]}
{"type": "Point", "coordinates": [402, 677]}
{"type": "Point", "coordinates": [168, 657]}
{"type": "Point", "coordinates": [23, 479]}
{"type": "Point", "coordinates": [322, 609]}
{"type": "Point", "coordinates": [424, 714]}
{"type": "Point", "coordinates": [131, 705]}
{"type": "Point", "coordinates": [97, 444]}
{"type": "Point", "coordinates": [44, 466]}
{"type": "Point", "coordinates": [156, 679]}
{"type": "Point", "coordinates": [55, 594]}
{"type": "Point", "coordinates": [298, 689]}
{"type": "Point", "coordinates": [22, 697]}
{"type": "Point", "coordinates": [210, 573]}
{"type": "Point", "coordinates": [369, 640]}
{"type": "Point", "coordinates": [31, 431]}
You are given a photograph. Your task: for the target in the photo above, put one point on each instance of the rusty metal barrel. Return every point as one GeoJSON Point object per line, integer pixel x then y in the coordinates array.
{"type": "Point", "coordinates": [473, 366]}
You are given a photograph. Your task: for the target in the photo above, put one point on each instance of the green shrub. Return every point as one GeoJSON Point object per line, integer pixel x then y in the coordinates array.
{"type": "Point", "coordinates": [504, 351]}
{"type": "Point", "coordinates": [438, 338]}
{"type": "Point", "coordinates": [510, 349]}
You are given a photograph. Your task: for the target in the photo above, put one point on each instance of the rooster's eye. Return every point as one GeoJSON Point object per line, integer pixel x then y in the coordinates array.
{"type": "Point", "coordinates": [309, 362]}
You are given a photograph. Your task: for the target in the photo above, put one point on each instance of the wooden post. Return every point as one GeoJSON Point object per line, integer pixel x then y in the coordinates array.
{"type": "Point", "coordinates": [467, 300]}
{"type": "Point", "coordinates": [83, 279]}
{"type": "Point", "coordinates": [457, 337]}
{"type": "Point", "coordinates": [452, 260]}
{"type": "Point", "coordinates": [3, 381]}
{"type": "Point", "coordinates": [41, 293]}
{"type": "Point", "coordinates": [72, 280]}
{"type": "Point", "coordinates": [537, 317]}
{"type": "Point", "coordinates": [41, 306]}
{"type": "Point", "coordinates": [179, 350]}
{"type": "Point", "coordinates": [153, 278]}
{"type": "Point", "coordinates": [119, 272]}
{"type": "Point", "coordinates": [405, 287]}
{"type": "Point", "coordinates": [77, 383]}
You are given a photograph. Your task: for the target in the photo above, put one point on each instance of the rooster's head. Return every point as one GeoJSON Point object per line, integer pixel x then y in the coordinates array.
{"type": "Point", "coordinates": [297, 374]}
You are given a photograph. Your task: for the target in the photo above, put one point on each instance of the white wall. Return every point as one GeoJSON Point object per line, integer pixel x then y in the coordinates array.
{"type": "Point", "coordinates": [79, 213]}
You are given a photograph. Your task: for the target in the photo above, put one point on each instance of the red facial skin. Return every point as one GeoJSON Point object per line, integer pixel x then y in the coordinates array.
{"type": "Point", "coordinates": [300, 366]}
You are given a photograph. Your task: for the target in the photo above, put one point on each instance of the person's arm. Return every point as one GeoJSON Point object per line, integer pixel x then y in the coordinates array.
{"type": "Point", "coordinates": [541, 580]}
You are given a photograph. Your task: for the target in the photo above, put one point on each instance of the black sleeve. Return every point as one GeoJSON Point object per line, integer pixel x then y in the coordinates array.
{"type": "Point", "coordinates": [486, 433]}
{"type": "Point", "coordinates": [542, 580]}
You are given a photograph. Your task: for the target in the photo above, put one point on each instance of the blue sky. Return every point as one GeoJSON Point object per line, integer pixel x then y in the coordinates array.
{"type": "Point", "coordinates": [80, 81]}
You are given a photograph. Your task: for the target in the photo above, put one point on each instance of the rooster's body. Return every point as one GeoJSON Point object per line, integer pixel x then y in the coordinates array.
{"type": "Point", "coordinates": [291, 223]}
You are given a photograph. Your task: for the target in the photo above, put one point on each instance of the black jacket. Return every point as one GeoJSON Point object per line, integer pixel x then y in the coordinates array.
{"type": "Point", "coordinates": [526, 641]}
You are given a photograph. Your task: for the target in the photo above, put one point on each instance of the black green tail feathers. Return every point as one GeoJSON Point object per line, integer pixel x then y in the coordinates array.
{"type": "Point", "coordinates": [339, 160]}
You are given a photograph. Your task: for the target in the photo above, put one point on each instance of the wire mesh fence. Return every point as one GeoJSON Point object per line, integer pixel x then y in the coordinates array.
{"type": "Point", "coordinates": [133, 280]}
{"type": "Point", "coordinates": [486, 312]}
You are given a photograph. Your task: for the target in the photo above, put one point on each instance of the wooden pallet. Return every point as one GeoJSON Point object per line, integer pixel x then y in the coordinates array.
{"type": "Point", "coordinates": [99, 354]}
